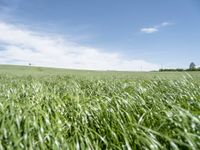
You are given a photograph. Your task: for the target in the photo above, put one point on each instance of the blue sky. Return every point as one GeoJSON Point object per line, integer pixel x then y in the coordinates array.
{"type": "Point", "coordinates": [100, 34]}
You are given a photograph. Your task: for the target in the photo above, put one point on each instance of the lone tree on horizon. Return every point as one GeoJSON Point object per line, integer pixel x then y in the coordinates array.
{"type": "Point", "coordinates": [192, 65]}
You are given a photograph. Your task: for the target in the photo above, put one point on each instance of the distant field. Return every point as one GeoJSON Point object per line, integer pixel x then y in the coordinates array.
{"type": "Point", "coordinates": [43, 72]}
{"type": "Point", "coordinates": [46, 108]}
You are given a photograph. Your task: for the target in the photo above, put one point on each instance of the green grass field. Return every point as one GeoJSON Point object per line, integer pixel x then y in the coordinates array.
{"type": "Point", "coordinates": [45, 108]}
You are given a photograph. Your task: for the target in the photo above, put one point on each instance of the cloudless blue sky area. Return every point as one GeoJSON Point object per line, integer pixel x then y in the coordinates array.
{"type": "Point", "coordinates": [115, 25]}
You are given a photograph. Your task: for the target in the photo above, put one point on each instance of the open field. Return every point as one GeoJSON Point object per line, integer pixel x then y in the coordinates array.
{"type": "Point", "coordinates": [43, 108]}
{"type": "Point", "coordinates": [39, 72]}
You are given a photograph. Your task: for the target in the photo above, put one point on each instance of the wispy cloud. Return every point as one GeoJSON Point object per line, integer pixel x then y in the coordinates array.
{"type": "Point", "coordinates": [164, 24]}
{"type": "Point", "coordinates": [149, 30]}
{"type": "Point", "coordinates": [155, 28]}
{"type": "Point", "coordinates": [21, 46]}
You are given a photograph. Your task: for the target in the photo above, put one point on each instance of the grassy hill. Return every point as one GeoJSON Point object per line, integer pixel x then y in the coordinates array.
{"type": "Point", "coordinates": [48, 108]}
{"type": "Point", "coordinates": [44, 71]}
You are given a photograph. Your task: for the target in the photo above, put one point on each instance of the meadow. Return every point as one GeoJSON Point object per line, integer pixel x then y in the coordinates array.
{"type": "Point", "coordinates": [46, 108]}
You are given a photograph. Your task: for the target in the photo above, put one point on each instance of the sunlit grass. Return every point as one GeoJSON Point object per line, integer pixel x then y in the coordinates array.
{"type": "Point", "coordinates": [79, 112]}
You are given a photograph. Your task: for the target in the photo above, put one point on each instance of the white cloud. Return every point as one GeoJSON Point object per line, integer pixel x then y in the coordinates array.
{"type": "Point", "coordinates": [149, 30]}
{"type": "Point", "coordinates": [166, 24]}
{"type": "Point", "coordinates": [22, 46]}
{"type": "Point", "coordinates": [155, 28]}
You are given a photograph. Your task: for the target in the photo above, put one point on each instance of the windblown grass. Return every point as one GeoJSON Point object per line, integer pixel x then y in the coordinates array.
{"type": "Point", "coordinates": [78, 112]}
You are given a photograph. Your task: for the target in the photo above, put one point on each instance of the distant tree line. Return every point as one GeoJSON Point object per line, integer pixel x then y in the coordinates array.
{"type": "Point", "coordinates": [192, 67]}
